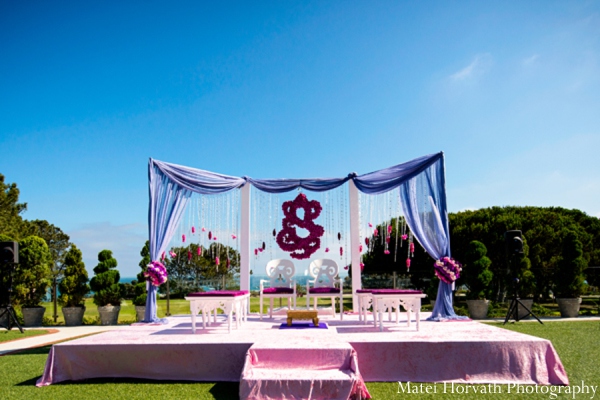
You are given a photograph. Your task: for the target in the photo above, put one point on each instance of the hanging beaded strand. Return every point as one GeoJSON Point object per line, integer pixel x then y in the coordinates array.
{"type": "Point", "coordinates": [397, 223]}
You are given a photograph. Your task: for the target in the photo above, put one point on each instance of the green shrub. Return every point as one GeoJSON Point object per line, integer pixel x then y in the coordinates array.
{"type": "Point", "coordinates": [108, 290]}
{"type": "Point", "coordinates": [569, 277]}
{"type": "Point", "coordinates": [74, 286]}
{"type": "Point", "coordinates": [139, 289]}
{"type": "Point", "coordinates": [32, 277]}
{"type": "Point", "coordinates": [477, 274]}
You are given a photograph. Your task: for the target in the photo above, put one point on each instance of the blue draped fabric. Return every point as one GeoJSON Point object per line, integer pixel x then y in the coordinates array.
{"type": "Point", "coordinates": [424, 204]}
{"type": "Point", "coordinates": [421, 183]}
{"type": "Point", "coordinates": [167, 203]}
{"type": "Point", "coordinates": [390, 178]}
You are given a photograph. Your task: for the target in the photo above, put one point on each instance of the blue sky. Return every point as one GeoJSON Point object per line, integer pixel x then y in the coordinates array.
{"type": "Point", "coordinates": [510, 91]}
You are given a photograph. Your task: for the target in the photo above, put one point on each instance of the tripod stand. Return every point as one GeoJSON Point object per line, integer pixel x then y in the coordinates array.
{"type": "Point", "coordinates": [513, 309]}
{"type": "Point", "coordinates": [7, 308]}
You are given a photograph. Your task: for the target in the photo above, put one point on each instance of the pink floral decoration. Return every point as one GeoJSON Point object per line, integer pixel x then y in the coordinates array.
{"type": "Point", "coordinates": [217, 261]}
{"type": "Point", "coordinates": [375, 233]}
{"type": "Point", "coordinates": [362, 266]}
{"type": "Point", "coordinates": [156, 273]}
{"type": "Point", "coordinates": [412, 247]}
{"type": "Point", "coordinates": [288, 239]}
{"type": "Point", "coordinates": [389, 229]}
{"type": "Point", "coordinates": [404, 237]}
{"type": "Point", "coordinates": [172, 254]}
{"type": "Point", "coordinates": [183, 238]}
{"type": "Point", "coordinates": [233, 237]}
{"type": "Point", "coordinates": [370, 225]}
{"type": "Point", "coordinates": [386, 252]}
{"type": "Point", "coordinates": [360, 248]}
{"type": "Point", "coordinates": [193, 230]}
{"type": "Point", "coordinates": [203, 229]}
{"type": "Point", "coordinates": [341, 251]}
{"type": "Point", "coordinates": [326, 249]}
{"type": "Point", "coordinates": [189, 255]}
{"type": "Point", "coordinates": [447, 269]}
{"type": "Point", "coordinates": [199, 250]}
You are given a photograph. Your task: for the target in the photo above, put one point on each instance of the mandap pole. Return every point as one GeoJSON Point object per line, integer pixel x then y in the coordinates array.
{"type": "Point", "coordinates": [245, 240]}
{"type": "Point", "coordinates": [354, 242]}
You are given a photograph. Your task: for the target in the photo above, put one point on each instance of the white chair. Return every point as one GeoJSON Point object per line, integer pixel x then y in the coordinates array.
{"type": "Point", "coordinates": [281, 284]}
{"type": "Point", "coordinates": [324, 272]}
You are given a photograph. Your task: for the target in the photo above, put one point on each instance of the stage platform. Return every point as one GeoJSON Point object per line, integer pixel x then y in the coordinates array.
{"type": "Point", "coordinates": [454, 351]}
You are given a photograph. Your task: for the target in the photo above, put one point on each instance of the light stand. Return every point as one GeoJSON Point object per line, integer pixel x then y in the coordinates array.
{"type": "Point", "coordinates": [513, 309]}
{"type": "Point", "coordinates": [7, 309]}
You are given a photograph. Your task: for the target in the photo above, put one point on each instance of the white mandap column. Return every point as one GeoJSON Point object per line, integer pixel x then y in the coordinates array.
{"type": "Point", "coordinates": [354, 242]}
{"type": "Point", "coordinates": [245, 240]}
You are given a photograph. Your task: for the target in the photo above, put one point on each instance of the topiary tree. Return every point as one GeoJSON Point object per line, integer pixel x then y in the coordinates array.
{"type": "Point", "coordinates": [569, 277]}
{"type": "Point", "coordinates": [108, 290]}
{"type": "Point", "coordinates": [527, 281]}
{"type": "Point", "coordinates": [32, 277]}
{"type": "Point", "coordinates": [477, 274]}
{"type": "Point", "coordinates": [74, 285]}
{"type": "Point", "coordinates": [140, 294]}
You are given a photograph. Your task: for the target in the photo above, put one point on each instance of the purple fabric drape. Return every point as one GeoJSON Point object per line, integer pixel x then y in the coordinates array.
{"type": "Point", "coordinates": [171, 186]}
{"type": "Point", "coordinates": [167, 203]}
{"type": "Point", "coordinates": [424, 204]}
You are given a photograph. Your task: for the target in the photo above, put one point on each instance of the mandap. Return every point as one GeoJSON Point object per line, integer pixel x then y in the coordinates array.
{"type": "Point", "coordinates": [420, 184]}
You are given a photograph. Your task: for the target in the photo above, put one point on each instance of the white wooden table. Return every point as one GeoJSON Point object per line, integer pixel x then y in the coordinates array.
{"type": "Point", "coordinates": [231, 302]}
{"type": "Point", "coordinates": [388, 299]}
{"type": "Point", "coordinates": [364, 303]}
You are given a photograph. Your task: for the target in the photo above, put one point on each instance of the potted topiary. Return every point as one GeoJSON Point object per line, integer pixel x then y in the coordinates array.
{"type": "Point", "coordinates": [477, 277]}
{"type": "Point", "coordinates": [108, 292]}
{"type": "Point", "coordinates": [140, 294]}
{"type": "Point", "coordinates": [569, 277]}
{"type": "Point", "coordinates": [73, 288]}
{"type": "Point", "coordinates": [32, 279]}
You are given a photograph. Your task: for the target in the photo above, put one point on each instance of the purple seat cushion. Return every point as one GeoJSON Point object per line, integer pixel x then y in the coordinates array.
{"type": "Point", "coordinates": [364, 290]}
{"type": "Point", "coordinates": [396, 291]}
{"type": "Point", "coordinates": [319, 290]}
{"type": "Point", "coordinates": [275, 290]}
{"type": "Point", "coordinates": [219, 293]}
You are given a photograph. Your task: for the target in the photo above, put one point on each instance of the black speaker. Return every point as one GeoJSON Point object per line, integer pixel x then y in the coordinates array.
{"type": "Point", "coordinates": [514, 242]}
{"type": "Point", "coordinates": [9, 252]}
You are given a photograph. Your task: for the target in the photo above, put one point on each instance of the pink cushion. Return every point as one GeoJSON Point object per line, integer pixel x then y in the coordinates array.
{"type": "Point", "coordinates": [275, 290]}
{"type": "Point", "coordinates": [220, 293]}
{"type": "Point", "coordinates": [324, 290]}
{"type": "Point", "coordinates": [396, 291]}
{"type": "Point", "coordinates": [364, 290]}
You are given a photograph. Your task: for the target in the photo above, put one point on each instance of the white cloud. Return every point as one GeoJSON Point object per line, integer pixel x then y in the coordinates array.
{"type": "Point", "coordinates": [531, 60]}
{"type": "Point", "coordinates": [480, 64]}
{"type": "Point", "coordinates": [125, 241]}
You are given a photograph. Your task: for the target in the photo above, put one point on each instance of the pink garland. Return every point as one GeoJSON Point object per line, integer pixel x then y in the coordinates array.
{"type": "Point", "coordinates": [447, 269]}
{"type": "Point", "coordinates": [288, 239]}
{"type": "Point", "coordinates": [156, 273]}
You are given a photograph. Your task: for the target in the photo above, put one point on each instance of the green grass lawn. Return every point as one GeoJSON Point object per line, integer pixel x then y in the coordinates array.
{"type": "Point", "coordinates": [14, 334]}
{"type": "Point", "coordinates": [575, 342]}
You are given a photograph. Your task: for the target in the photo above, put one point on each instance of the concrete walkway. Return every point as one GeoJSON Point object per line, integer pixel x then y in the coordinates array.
{"type": "Point", "coordinates": [58, 334]}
